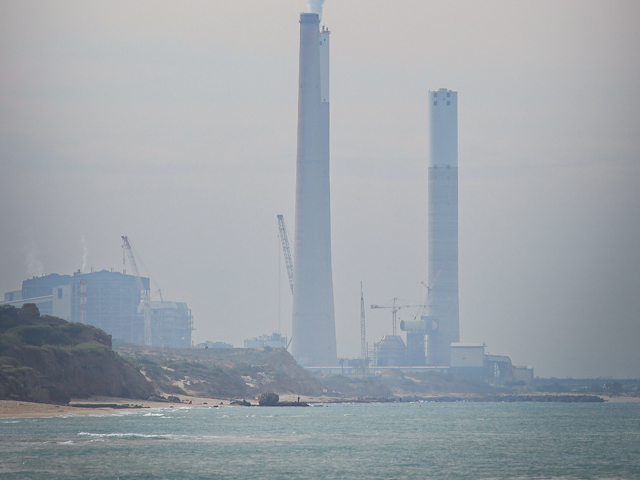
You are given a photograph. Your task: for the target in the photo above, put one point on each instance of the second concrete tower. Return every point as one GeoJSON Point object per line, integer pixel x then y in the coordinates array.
{"type": "Point", "coordinates": [314, 332]}
{"type": "Point", "coordinates": [443, 316]}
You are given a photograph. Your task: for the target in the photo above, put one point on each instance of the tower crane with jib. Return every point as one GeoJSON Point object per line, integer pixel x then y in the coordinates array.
{"type": "Point", "coordinates": [146, 309]}
{"type": "Point", "coordinates": [427, 324]}
{"type": "Point", "coordinates": [394, 310]}
{"type": "Point", "coordinates": [427, 298]}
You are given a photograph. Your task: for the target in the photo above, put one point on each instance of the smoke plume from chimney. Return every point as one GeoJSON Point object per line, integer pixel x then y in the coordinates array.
{"type": "Point", "coordinates": [35, 268]}
{"type": "Point", "coordinates": [315, 6]}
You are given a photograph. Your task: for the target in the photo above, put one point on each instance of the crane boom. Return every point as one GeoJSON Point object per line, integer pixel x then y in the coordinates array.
{"type": "Point", "coordinates": [394, 309]}
{"type": "Point", "coordinates": [286, 250]}
{"type": "Point", "coordinates": [427, 298]}
{"type": "Point", "coordinates": [143, 291]}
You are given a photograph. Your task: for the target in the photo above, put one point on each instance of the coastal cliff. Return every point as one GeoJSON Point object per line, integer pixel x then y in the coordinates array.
{"type": "Point", "coordinates": [49, 360]}
{"type": "Point", "coordinates": [222, 372]}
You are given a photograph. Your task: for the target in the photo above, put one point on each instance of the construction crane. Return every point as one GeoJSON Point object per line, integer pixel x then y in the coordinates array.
{"type": "Point", "coordinates": [394, 310]}
{"type": "Point", "coordinates": [363, 342]}
{"type": "Point", "coordinates": [427, 298]}
{"type": "Point", "coordinates": [286, 250]}
{"type": "Point", "coordinates": [143, 291]}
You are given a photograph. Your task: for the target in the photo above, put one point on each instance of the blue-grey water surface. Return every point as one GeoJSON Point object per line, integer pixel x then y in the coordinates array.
{"type": "Point", "coordinates": [348, 441]}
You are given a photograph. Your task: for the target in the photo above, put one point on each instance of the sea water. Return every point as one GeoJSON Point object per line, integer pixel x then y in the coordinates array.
{"type": "Point", "coordinates": [347, 441]}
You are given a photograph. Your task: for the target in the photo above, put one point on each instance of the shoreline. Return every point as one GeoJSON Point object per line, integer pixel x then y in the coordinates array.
{"type": "Point", "coordinates": [111, 405]}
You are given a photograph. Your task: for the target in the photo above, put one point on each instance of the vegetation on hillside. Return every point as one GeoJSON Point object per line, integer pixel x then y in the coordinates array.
{"type": "Point", "coordinates": [222, 372]}
{"type": "Point", "coordinates": [49, 360]}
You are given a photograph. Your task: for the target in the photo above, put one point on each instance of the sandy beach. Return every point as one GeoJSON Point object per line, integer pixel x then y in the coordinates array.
{"type": "Point", "coordinates": [15, 409]}
{"type": "Point", "coordinates": [12, 408]}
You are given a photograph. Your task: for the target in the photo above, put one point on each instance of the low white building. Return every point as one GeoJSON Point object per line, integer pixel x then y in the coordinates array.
{"type": "Point", "coordinates": [274, 341]}
{"type": "Point", "coordinates": [467, 359]}
{"type": "Point", "coordinates": [523, 374]}
{"type": "Point", "coordinates": [58, 303]}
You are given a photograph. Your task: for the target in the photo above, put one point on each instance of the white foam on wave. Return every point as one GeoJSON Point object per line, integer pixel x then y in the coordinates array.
{"type": "Point", "coordinates": [100, 437]}
{"type": "Point", "coordinates": [124, 435]}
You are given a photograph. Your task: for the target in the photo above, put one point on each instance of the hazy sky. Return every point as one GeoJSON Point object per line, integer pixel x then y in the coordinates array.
{"type": "Point", "coordinates": [175, 123]}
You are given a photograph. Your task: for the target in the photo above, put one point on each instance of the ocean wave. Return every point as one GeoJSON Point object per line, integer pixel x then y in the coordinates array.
{"type": "Point", "coordinates": [125, 435]}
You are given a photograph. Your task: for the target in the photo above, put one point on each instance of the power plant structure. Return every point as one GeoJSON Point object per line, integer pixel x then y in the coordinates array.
{"type": "Point", "coordinates": [115, 302]}
{"type": "Point", "coordinates": [441, 325]}
{"type": "Point", "coordinates": [313, 332]}
{"type": "Point", "coordinates": [443, 319]}
{"type": "Point", "coordinates": [110, 301]}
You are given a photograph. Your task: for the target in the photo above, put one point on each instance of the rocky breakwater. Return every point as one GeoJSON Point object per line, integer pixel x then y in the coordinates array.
{"type": "Point", "coordinates": [49, 360]}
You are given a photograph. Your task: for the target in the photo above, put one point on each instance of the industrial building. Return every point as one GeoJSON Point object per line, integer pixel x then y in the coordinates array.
{"type": "Point", "coordinates": [110, 301]}
{"type": "Point", "coordinates": [313, 329]}
{"type": "Point", "coordinates": [209, 344]}
{"type": "Point", "coordinates": [390, 352]}
{"type": "Point", "coordinates": [274, 341]}
{"type": "Point", "coordinates": [440, 326]}
{"type": "Point", "coordinates": [171, 324]}
{"type": "Point", "coordinates": [467, 360]}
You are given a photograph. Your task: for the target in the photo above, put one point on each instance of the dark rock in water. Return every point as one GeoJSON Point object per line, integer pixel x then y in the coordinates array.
{"type": "Point", "coordinates": [269, 399]}
{"type": "Point", "coordinates": [242, 403]}
{"type": "Point", "coordinates": [156, 398]}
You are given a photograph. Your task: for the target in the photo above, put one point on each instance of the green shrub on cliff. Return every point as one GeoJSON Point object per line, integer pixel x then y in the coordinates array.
{"type": "Point", "coordinates": [47, 359]}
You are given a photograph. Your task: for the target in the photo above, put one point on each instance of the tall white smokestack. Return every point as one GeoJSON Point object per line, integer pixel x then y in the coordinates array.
{"type": "Point", "coordinates": [444, 321]}
{"type": "Point", "coordinates": [314, 333]}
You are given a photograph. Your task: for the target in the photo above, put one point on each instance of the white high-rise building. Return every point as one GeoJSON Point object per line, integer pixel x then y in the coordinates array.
{"type": "Point", "coordinates": [314, 333]}
{"type": "Point", "coordinates": [443, 316]}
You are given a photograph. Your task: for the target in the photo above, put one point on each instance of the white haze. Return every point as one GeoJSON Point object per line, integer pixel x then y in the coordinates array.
{"type": "Point", "coordinates": [175, 123]}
